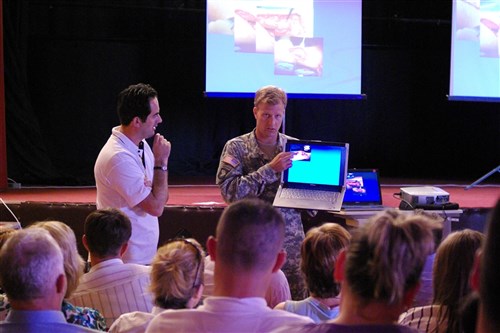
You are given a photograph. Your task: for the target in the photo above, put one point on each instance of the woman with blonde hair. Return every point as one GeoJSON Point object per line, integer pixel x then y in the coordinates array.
{"type": "Point", "coordinates": [319, 252]}
{"type": "Point", "coordinates": [176, 283]}
{"type": "Point", "coordinates": [65, 238]}
{"type": "Point", "coordinates": [5, 233]}
{"type": "Point", "coordinates": [450, 283]}
{"type": "Point", "coordinates": [73, 267]}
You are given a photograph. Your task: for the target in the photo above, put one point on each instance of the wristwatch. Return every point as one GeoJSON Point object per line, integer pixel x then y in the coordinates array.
{"type": "Point", "coordinates": [162, 168]}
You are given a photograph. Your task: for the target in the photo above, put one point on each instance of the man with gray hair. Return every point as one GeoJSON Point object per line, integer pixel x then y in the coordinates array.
{"type": "Point", "coordinates": [247, 249]}
{"type": "Point", "coordinates": [32, 275]}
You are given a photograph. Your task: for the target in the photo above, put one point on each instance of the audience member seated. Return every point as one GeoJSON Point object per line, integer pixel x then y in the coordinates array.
{"type": "Point", "coordinates": [5, 233]}
{"type": "Point", "coordinates": [278, 291]}
{"type": "Point", "coordinates": [451, 284]}
{"type": "Point", "coordinates": [379, 273]}
{"type": "Point", "coordinates": [486, 276]}
{"type": "Point", "coordinates": [425, 292]}
{"type": "Point", "coordinates": [73, 268]}
{"type": "Point", "coordinates": [247, 249]}
{"type": "Point", "coordinates": [319, 252]}
{"type": "Point", "coordinates": [176, 283]}
{"type": "Point", "coordinates": [32, 273]}
{"type": "Point", "coordinates": [112, 286]}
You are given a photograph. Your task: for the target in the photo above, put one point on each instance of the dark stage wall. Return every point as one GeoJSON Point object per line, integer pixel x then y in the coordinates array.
{"type": "Point", "coordinates": [66, 60]}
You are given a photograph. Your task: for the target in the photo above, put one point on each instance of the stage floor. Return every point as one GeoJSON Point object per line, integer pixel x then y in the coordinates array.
{"type": "Point", "coordinates": [200, 194]}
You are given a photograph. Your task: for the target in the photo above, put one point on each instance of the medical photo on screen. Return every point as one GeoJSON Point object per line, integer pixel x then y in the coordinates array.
{"type": "Point", "coordinates": [475, 51]}
{"type": "Point", "coordinates": [304, 46]}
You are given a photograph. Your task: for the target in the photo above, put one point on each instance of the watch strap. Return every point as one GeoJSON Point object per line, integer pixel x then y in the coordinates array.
{"type": "Point", "coordinates": [162, 168]}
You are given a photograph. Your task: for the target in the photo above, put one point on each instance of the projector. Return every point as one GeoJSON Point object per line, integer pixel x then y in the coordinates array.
{"type": "Point", "coordinates": [424, 195]}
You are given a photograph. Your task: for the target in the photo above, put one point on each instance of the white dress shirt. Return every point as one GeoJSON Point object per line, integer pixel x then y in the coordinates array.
{"type": "Point", "coordinates": [134, 322]}
{"type": "Point", "coordinates": [225, 314]}
{"type": "Point", "coordinates": [115, 288]}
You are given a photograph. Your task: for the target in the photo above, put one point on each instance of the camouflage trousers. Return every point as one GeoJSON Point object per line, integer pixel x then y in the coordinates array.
{"type": "Point", "coordinates": [294, 235]}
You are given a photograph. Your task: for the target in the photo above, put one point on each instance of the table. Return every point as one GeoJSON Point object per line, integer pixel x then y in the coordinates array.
{"type": "Point", "coordinates": [356, 218]}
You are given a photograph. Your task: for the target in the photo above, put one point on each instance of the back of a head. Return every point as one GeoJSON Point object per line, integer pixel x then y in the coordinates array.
{"type": "Point", "coordinates": [319, 252]}
{"type": "Point", "coordinates": [489, 287]}
{"type": "Point", "coordinates": [271, 95]}
{"type": "Point", "coordinates": [386, 256]}
{"type": "Point", "coordinates": [176, 272]}
{"type": "Point", "coordinates": [5, 233]}
{"type": "Point", "coordinates": [30, 262]}
{"type": "Point", "coordinates": [106, 230]}
{"type": "Point", "coordinates": [451, 277]}
{"type": "Point", "coordinates": [249, 235]}
{"type": "Point", "coordinates": [65, 238]}
{"type": "Point", "coordinates": [134, 102]}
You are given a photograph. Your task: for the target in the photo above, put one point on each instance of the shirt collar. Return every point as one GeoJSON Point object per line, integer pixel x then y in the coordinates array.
{"type": "Point", "coordinates": [124, 139]}
{"type": "Point", "coordinates": [42, 316]}
{"type": "Point", "coordinates": [107, 263]}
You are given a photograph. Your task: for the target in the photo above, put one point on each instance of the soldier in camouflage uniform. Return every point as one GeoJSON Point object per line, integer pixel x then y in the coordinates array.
{"type": "Point", "coordinates": [251, 166]}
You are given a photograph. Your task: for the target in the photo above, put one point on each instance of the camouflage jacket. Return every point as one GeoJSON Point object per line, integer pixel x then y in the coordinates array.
{"type": "Point", "coordinates": [244, 169]}
{"type": "Point", "coordinates": [244, 172]}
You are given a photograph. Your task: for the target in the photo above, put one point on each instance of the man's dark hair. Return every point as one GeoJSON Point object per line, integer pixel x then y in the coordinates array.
{"type": "Point", "coordinates": [106, 230]}
{"type": "Point", "coordinates": [134, 102]}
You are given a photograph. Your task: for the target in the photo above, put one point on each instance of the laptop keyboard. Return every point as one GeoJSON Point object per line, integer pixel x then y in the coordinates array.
{"type": "Point", "coordinates": [292, 193]}
{"type": "Point", "coordinates": [365, 207]}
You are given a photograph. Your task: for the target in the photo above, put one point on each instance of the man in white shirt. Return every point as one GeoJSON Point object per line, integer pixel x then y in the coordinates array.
{"type": "Point", "coordinates": [247, 251]}
{"type": "Point", "coordinates": [132, 176]}
{"type": "Point", "coordinates": [111, 286]}
{"type": "Point", "coordinates": [277, 292]}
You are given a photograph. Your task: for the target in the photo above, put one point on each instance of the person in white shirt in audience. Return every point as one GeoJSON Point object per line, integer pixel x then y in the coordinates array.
{"type": "Point", "coordinates": [278, 291]}
{"type": "Point", "coordinates": [33, 276]}
{"type": "Point", "coordinates": [319, 252]}
{"type": "Point", "coordinates": [176, 283]}
{"type": "Point", "coordinates": [451, 284]}
{"type": "Point", "coordinates": [111, 285]}
{"type": "Point", "coordinates": [380, 274]}
{"type": "Point", "coordinates": [247, 249]}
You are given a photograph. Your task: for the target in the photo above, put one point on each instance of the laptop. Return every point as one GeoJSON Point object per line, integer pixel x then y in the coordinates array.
{"type": "Point", "coordinates": [363, 191]}
{"type": "Point", "coordinates": [316, 179]}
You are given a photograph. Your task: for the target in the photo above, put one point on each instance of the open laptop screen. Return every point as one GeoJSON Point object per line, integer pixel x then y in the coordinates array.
{"type": "Point", "coordinates": [362, 186]}
{"type": "Point", "coordinates": [317, 163]}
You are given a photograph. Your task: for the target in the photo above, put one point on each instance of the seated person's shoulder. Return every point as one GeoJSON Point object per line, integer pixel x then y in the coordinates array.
{"type": "Point", "coordinates": [138, 268]}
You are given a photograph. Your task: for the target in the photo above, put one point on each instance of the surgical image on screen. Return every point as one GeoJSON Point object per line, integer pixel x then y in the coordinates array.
{"type": "Point", "coordinates": [256, 24]}
{"type": "Point", "coordinates": [489, 29]}
{"type": "Point", "coordinates": [303, 46]}
{"type": "Point", "coordinates": [302, 154]}
{"type": "Point", "coordinates": [475, 53]}
{"type": "Point", "coordinates": [298, 56]}
{"type": "Point", "coordinates": [355, 185]}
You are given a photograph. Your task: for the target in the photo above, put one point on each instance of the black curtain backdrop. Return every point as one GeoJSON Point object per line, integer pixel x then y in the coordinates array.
{"type": "Point", "coordinates": [65, 62]}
